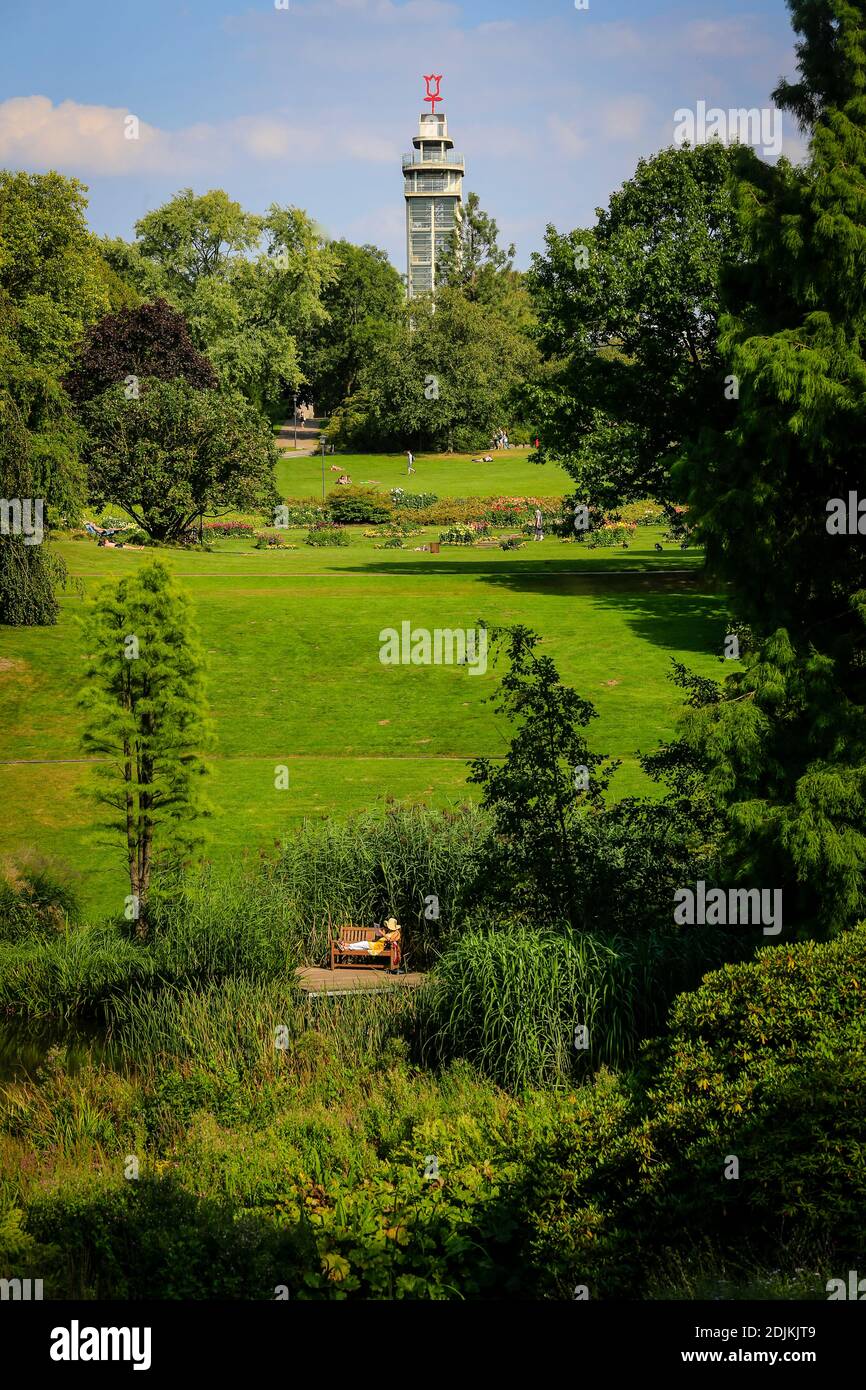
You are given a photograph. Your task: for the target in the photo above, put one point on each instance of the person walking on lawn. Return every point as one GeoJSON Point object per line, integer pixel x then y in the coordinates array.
{"type": "Point", "coordinates": [411, 457]}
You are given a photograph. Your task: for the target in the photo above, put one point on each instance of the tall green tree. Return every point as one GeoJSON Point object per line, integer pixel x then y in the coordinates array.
{"type": "Point", "coordinates": [362, 303]}
{"type": "Point", "coordinates": [786, 745]}
{"type": "Point", "coordinates": [29, 572]}
{"type": "Point", "coordinates": [145, 712]}
{"type": "Point", "coordinates": [53, 285]}
{"type": "Point", "coordinates": [628, 325]}
{"type": "Point", "coordinates": [444, 377]}
{"type": "Point", "coordinates": [249, 286]}
{"type": "Point", "coordinates": [175, 453]}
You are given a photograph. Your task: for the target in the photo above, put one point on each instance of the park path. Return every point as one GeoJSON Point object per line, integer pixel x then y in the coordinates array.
{"type": "Point", "coordinates": [308, 437]}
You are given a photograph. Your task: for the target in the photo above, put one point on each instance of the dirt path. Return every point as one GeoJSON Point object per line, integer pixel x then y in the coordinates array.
{"type": "Point", "coordinates": [308, 432]}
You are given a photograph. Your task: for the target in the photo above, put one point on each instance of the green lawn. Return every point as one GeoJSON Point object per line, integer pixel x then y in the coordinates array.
{"type": "Point", "coordinates": [448, 475]}
{"type": "Point", "coordinates": [292, 640]}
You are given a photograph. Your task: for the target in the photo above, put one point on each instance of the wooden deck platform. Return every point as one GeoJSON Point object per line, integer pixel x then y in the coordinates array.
{"type": "Point", "coordinates": [314, 980]}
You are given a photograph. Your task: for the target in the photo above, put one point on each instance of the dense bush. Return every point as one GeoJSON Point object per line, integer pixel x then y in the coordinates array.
{"type": "Point", "coordinates": [353, 505]}
{"type": "Point", "coordinates": [765, 1064]}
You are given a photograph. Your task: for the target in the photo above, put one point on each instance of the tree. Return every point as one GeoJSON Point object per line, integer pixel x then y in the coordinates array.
{"type": "Point", "coordinates": [250, 287]}
{"type": "Point", "coordinates": [443, 378]}
{"type": "Point", "coordinates": [149, 341]}
{"type": "Point", "coordinates": [786, 745]}
{"type": "Point", "coordinates": [145, 711]}
{"type": "Point", "coordinates": [28, 572]}
{"type": "Point", "coordinates": [628, 324]}
{"type": "Point", "coordinates": [474, 261]}
{"type": "Point", "coordinates": [364, 299]}
{"type": "Point", "coordinates": [53, 285]}
{"type": "Point", "coordinates": [191, 237]}
{"type": "Point", "coordinates": [177, 453]}
{"type": "Point", "coordinates": [548, 779]}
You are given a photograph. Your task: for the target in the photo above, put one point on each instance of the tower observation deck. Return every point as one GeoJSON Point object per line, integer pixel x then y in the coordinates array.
{"type": "Point", "coordinates": [433, 188]}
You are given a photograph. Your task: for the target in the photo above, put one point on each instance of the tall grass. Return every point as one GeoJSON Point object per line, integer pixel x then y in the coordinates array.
{"type": "Point", "coordinates": [75, 973]}
{"type": "Point", "coordinates": [245, 1027]}
{"type": "Point", "coordinates": [215, 925]}
{"type": "Point", "coordinates": [510, 1001]}
{"type": "Point", "coordinates": [373, 866]}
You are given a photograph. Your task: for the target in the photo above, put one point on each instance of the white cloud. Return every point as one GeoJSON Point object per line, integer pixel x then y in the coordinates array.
{"type": "Point", "coordinates": [36, 134]}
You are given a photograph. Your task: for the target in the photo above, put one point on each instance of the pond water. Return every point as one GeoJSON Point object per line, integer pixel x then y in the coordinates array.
{"type": "Point", "coordinates": [24, 1046]}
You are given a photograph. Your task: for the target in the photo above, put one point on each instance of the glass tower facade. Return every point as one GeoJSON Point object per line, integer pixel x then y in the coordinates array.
{"type": "Point", "coordinates": [433, 187]}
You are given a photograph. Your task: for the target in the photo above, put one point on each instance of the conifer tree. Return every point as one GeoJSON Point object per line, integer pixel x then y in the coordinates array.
{"type": "Point", "coordinates": [145, 711]}
{"type": "Point", "coordinates": [786, 745]}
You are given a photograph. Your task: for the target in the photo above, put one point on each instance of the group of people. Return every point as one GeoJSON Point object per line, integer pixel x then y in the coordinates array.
{"type": "Point", "coordinates": [500, 440]}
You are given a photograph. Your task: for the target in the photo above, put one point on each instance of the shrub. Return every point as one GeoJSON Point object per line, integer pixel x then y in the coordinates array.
{"type": "Point", "coordinates": [642, 513]}
{"type": "Point", "coordinates": [269, 538]}
{"type": "Point", "coordinates": [326, 535]}
{"type": "Point", "coordinates": [459, 534]}
{"type": "Point", "coordinates": [511, 543]}
{"type": "Point", "coordinates": [36, 901]}
{"type": "Point", "coordinates": [358, 504]}
{"type": "Point", "coordinates": [610, 533]}
{"type": "Point", "coordinates": [765, 1063]}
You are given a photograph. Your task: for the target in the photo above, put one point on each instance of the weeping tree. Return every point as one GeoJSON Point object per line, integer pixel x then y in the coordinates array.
{"type": "Point", "coordinates": [28, 573]}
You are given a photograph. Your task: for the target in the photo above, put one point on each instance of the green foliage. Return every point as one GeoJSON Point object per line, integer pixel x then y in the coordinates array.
{"type": "Point", "coordinates": [628, 322]}
{"type": "Point", "coordinates": [29, 573]}
{"type": "Point", "coordinates": [325, 536]}
{"type": "Point", "coordinates": [249, 286]}
{"type": "Point", "coordinates": [365, 296]}
{"type": "Point", "coordinates": [145, 711]}
{"type": "Point", "coordinates": [375, 866]}
{"type": "Point", "coordinates": [765, 1063]}
{"type": "Point", "coordinates": [785, 745]}
{"type": "Point", "coordinates": [458, 534]}
{"type": "Point", "coordinates": [71, 974]}
{"type": "Point", "coordinates": [176, 453]}
{"type": "Point", "coordinates": [358, 504]}
{"type": "Point", "coordinates": [532, 791]}
{"type": "Point", "coordinates": [35, 901]}
{"type": "Point", "coordinates": [442, 380]}
{"type": "Point", "coordinates": [412, 501]}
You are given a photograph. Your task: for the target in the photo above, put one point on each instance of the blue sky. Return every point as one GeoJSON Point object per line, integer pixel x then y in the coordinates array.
{"type": "Point", "coordinates": [313, 105]}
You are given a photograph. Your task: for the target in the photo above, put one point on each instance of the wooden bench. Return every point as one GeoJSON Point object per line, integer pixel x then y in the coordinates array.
{"type": "Point", "coordinates": [362, 960]}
